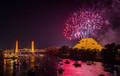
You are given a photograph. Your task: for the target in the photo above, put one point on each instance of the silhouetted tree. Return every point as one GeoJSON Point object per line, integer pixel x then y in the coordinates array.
{"type": "Point", "coordinates": [117, 48]}
{"type": "Point", "coordinates": [75, 54]}
{"type": "Point", "coordinates": [1, 56]}
{"type": "Point", "coordinates": [109, 53]}
{"type": "Point", "coordinates": [53, 51]}
{"type": "Point", "coordinates": [64, 50]}
{"type": "Point", "coordinates": [83, 54]}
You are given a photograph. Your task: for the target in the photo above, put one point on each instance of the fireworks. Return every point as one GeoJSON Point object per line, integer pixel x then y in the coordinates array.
{"type": "Point", "coordinates": [83, 24]}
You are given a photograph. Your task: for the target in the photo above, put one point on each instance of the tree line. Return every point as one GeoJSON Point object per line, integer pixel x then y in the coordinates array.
{"type": "Point", "coordinates": [108, 53]}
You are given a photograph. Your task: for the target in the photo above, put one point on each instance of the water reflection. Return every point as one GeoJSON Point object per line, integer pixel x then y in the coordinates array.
{"type": "Point", "coordinates": [49, 66]}
{"type": "Point", "coordinates": [4, 68]}
{"type": "Point", "coordinates": [84, 70]}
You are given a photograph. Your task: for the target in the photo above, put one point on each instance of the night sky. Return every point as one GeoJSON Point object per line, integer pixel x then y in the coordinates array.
{"type": "Point", "coordinates": [41, 21]}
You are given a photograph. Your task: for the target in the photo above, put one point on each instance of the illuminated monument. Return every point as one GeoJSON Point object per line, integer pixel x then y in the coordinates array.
{"type": "Point", "coordinates": [32, 46]}
{"type": "Point", "coordinates": [88, 43]}
{"type": "Point", "coordinates": [16, 50]}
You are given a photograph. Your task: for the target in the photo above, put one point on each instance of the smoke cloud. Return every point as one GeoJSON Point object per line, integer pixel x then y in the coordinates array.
{"type": "Point", "coordinates": [112, 31]}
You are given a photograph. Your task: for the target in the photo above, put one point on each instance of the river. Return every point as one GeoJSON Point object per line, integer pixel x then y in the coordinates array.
{"type": "Point", "coordinates": [50, 65]}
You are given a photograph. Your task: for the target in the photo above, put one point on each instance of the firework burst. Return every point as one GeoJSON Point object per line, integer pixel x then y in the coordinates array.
{"type": "Point", "coordinates": [83, 24]}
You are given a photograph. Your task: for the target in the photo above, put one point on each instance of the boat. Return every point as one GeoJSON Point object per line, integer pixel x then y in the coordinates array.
{"type": "Point", "coordinates": [88, 63]}
{"type": "Point", "coordinates": [108, 69]}
{"type": "Point", "coordinates": [67, 62]}
{"type": "Point", "coordinates": [115, 67]}
{"type": "Point", "coordinates": [77, 64]}
{"type": "Point", "coordinates": [61, 63]}
{"type": "Point", "coordinates": [59, 60]}
{"type": "Point", "coordinates": [101, 75]}
{"type": "Point", "coordinates": [60, 70]}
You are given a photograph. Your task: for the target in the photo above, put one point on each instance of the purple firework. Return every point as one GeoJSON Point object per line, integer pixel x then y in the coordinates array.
{"type": "Point", "coordinates": [82, 24]}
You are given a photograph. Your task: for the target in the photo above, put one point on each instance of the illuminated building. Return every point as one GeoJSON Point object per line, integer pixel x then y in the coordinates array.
{"type": "Point", "coordinates": [16, 50]}
{"type": "Point", "coordinates": [88, 43]}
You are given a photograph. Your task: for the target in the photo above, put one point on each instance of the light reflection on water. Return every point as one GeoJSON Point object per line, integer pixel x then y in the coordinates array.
{"type": "Point", "coordinates": [51, 63]}
{"type": "Point", "coordinates": [84, 70]}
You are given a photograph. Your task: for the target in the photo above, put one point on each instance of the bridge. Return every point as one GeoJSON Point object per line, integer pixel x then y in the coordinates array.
{"type": "Point", "coordinates": [9, 53]}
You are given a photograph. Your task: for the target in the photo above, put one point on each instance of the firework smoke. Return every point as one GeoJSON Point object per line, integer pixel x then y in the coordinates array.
{"type": "Point", "coordinates": [112, 32]}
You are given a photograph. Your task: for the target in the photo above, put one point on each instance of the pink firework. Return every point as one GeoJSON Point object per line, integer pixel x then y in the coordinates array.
{"type": "Point", "coordinates": [83, 24]}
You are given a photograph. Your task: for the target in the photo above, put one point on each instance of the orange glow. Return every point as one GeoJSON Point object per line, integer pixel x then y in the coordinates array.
{"type": "Point", "coordinates": [32, 46]}
{"type": "Point", "coordinates": [5, 65]}
{"type": "Point", "coordinates": [16, 50]}
{"type": "Point", "coordinates": [32, 59]}
{"type": "Point", "coordinates": [4, 61]}
{"type": "Point", "coordinates": [88, 43]}
{"type": "Point", "coordinates": [119, 50]}
{"type": "Point", "coordinates": [5, 55]}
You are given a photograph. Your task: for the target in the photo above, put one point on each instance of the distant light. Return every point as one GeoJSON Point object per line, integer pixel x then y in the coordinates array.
{"type": "Point", "coordinates": [20, 53]}
{"type": "Point", "coordinates": [41, 55]}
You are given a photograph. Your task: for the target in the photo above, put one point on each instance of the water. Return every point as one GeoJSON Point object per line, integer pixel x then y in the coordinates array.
{"type": "Point", "coordinates": [51, 66]}
{"type": "Point", "coordinates": [84, 70]}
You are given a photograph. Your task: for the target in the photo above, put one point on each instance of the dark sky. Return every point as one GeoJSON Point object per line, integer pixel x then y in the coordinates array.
{"type": "Point", "coordinates": [41, 21]}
